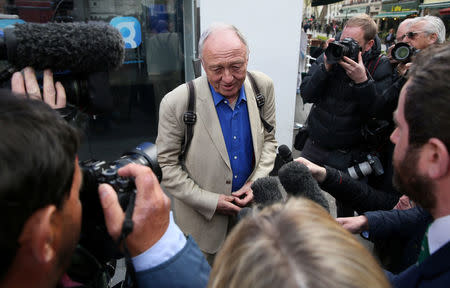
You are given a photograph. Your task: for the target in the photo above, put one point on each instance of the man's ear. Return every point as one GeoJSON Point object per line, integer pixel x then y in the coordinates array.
{"type": "Point", "coordinates": [40, 234]}
{"type": "Point", "coordinates": [433, 37]}
{"type": "Point", "coordinates": [369, 45]}
{"type": "Point", "coordinates": [436, 158]}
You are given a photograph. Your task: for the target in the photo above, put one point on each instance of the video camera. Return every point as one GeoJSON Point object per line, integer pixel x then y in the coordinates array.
{"type": "Point", "coordinates": [338, 49]}
{"type": "Point", "coordinates": [94, 235]}
{"type": "Point", "coordinates": [403, 52]}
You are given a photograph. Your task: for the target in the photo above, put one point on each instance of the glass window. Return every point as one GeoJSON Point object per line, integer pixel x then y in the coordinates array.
{"type": "Point", "coordinates": [154, 65]}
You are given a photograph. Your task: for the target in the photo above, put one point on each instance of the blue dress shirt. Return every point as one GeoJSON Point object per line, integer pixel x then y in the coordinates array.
{"type": "Point", "coordinates": [237, 135]}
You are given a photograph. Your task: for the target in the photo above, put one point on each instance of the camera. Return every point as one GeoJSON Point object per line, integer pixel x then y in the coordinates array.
{"type": "Point", "coordinates": [338, 49]}
{"type": "Point", "coordinates": [372, 164]}
{"type": "Point", "coordinates": [402, 52]}
{"type": "Point", "coordinates": [94, 235]}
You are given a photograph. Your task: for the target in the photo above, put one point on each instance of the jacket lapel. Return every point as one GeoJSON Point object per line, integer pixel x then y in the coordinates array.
{"type": "Point", "coordinates": [210, 119]}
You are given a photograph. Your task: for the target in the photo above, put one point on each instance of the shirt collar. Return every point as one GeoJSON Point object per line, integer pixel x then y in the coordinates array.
{"type": "Point", "coordinates": [217, 97]}
{"type": "Point", "coordinates": [438, 234]}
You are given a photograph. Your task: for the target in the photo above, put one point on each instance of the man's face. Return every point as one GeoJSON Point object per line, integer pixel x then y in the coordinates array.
{"type": "Point", "coordinates": [401, 31]}
{"type": "Point", "coordinates": [225, 62]}
{"type": "Point", "coordinates": [418, 38]}
{"type": "Point", "coordinates": [357, 34]}
{"type": "Point", "coordinates": [71, 217]}
{"type": "Point", "coordinates": [407, 175]}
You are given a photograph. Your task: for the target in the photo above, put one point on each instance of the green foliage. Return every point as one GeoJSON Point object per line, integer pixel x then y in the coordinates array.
{"type": "Point", "coordinates": [324, 38]}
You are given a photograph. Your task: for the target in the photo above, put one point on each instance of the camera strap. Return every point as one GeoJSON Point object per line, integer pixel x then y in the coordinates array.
{"type": "Point", "coordinates": [127, 228]}
{"type": "Point", "coordinates": [260, 101]}
{"type": "Point", "coordinates": [372, 69]}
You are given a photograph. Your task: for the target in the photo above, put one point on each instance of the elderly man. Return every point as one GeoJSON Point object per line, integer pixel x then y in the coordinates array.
{"type": "Point", "coordinates": [230, 146]}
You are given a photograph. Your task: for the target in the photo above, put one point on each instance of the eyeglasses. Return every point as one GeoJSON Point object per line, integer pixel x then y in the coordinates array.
{"type": "Point", "coordinates": [412, 35]}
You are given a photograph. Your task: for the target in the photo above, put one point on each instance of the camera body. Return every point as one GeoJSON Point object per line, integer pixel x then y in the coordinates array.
{"type": "Point", "coordinates": [372, 164]}
{"type": "Point", "coordinates": [402, 52]}
{"type": "Point", "coordinates": [338, 49]}
{"type": "Point", "coordinates": [94, 235]}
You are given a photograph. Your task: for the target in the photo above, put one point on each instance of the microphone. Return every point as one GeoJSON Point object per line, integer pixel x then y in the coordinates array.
{"type": "Point", "coordinates": [298, 181]}
{"type": "Point", "coordinates": [79, 47]}
{"type": "Point", "coordinates": [285, 153]}
{"type": "Point", "coordinates": [266, 191]}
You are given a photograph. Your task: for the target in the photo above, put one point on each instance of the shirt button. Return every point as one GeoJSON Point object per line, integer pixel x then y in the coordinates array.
{"type": "Point", "coordinates": [225, 101]}
{"type": "Point", "coordinates": [234, 137]}
{"type": "Point", "coordinates": [235, 176]}
{"type": "Point", "coordinates": [235, 157]}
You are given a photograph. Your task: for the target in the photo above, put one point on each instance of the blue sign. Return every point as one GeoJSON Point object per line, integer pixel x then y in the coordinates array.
{"type": "Point", "coordinates": [9, 22]}
{"type": "Point", "coordinates": [130, 28]}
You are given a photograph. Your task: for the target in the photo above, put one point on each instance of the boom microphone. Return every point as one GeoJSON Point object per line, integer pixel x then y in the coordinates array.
{"type": "Point", "coordinates": [79, 47]}
{"type": "Point", "coordinates": [298, 181]}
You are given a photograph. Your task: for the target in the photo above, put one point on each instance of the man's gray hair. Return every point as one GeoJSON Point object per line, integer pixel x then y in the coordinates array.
{"type": "Point", "coordinates": [433, 24]}
{"type": "Point", "coordinates": [215, 27]}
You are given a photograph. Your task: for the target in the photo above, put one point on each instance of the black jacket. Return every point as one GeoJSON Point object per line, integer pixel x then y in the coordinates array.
{"type": "Point", "coordinates": [341, 107]}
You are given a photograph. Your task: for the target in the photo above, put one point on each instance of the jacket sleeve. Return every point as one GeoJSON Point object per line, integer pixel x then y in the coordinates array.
{"type": "Point", "coordinates": [399, 223]}
{"type": "Point", "coordinates": [176, 180]}
{"type": "Point", "coordinates": [358, 195]}
{"type": "Point", "coordinates": [371, 91]}
{"type": "Point", "coordinates": [268, 152]}
{"type": "Point", "coordinates": [314, 83]}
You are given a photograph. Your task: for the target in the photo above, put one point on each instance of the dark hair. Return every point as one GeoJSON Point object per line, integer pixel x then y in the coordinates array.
{"type": "Point", "coordinates": [427, 102]}
{"type": "Point", "coordinates": [37, 151]}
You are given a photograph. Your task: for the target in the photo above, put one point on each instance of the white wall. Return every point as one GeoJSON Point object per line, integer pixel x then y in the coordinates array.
{"type": "Point", "coordinates": [272, 29]}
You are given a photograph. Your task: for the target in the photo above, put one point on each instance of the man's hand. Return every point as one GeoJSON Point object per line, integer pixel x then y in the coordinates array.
{"type": "Point", "coordinates": [246, 192]}
{"type": "Point", "coordinates": [402, 68]}
{"type": "Point", "coordinates": [151, 211]}
{"type": "Point", "coordinates": [226, 206]}
{"type": "Point", "coordinates": [354, 225]}
{"type": "Point", "coordinates": [318, 172]}
{"type": "Point", "coordinates": [404, 203]}
{"type": "Point", "coordinates": [53, 93]}
{"type": "Point", "coordinates": [327, 66]}
{"type": "Point", "coordinates": [356, 71]}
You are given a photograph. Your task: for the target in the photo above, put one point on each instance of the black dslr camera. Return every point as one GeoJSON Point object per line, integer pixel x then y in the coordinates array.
{"type": "Point", "coordinates": [338, 49]}
{"type": "Point", "coordinates": [371, 165]}
{"type": "Point", "coordinates": [402, 52]}
{"type": "Point", "coordinates": [94, 235]}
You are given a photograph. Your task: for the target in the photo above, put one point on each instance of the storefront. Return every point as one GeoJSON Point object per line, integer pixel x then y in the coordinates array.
{"type": "Point", "coordinates": [393, 12]}
{"type": "Point", "coordinates": [159, 38]}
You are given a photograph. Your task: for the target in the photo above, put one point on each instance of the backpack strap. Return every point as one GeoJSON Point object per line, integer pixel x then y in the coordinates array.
{"type": "Point", "coordinates": [372, 69]}
{"type": "Point", "coordinates": [260, 101]}
{"type": "Point", "coordinates": [189, 118]}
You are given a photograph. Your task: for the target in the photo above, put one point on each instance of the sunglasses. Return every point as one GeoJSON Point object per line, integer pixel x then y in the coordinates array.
{"type": "Point", "coordinates": [412, 35]}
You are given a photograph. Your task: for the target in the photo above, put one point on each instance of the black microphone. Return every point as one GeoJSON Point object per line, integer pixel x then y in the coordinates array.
{"type": "Point", "coordinates": [266, 191]}
{"type": "Point", "coordinates": [79, 47]}
{"type": "Point", "coordinates": [285, 153]}
{"type": "Point", "coordinates": [298, 181]}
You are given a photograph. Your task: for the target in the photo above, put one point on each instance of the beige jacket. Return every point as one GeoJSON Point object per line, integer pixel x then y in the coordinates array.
{"type": "Point", "coordinates": [207, 173]}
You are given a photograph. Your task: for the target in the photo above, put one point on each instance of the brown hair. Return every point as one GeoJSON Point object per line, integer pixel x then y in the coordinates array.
{"type": "Point", "coordinates": [366, 24]}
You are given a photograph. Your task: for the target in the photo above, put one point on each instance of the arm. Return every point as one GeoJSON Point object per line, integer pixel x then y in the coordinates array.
{"type": "Point", "coordinates": [158, 247]}
{"type": "Point", "coordinates": [358, 195]}
{"type": "Point", "coordinates": [314, 83]}
{"type": "Point", "coordinates": [268, 151]}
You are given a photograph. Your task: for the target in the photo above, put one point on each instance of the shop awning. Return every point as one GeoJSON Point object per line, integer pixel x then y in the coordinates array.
{"type": "Point", "coordinates": [445, 11]}
{"type": "Point", "coordinates": [435, 5]}
{"type": "Point", "coordinates": [323, 2]}
{"type": "Point", "coordinates": [401, 14]}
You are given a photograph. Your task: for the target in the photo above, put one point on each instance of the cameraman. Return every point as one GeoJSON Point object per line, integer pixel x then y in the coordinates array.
{"type": "Point", "coordinates": [343, 95]}
{"type": "Point", "coordinates": [40, 206]}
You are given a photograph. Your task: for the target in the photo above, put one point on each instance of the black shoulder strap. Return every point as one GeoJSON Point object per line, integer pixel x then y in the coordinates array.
{"type": "Point", "coordinates": [260, 101]}
{"type": "Point", "coordinates": [189, 118]}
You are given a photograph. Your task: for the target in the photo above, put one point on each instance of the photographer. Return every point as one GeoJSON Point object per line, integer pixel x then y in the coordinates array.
{"type": "Point", "coordinates": [343, 95]}
{"type": "Point", "coordinates": [41, 210]}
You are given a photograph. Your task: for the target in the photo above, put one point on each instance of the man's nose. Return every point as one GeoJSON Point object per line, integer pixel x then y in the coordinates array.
{"type": "Point", "coordinates": [227, 76]}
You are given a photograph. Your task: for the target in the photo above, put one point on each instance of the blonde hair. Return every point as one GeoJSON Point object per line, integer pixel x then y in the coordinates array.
{"type": "Point", "coordinates": [297, 244]}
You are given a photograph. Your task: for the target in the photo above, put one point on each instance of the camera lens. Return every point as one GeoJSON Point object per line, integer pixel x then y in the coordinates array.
{"type": "Point", "coordinates": [401, 53]}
